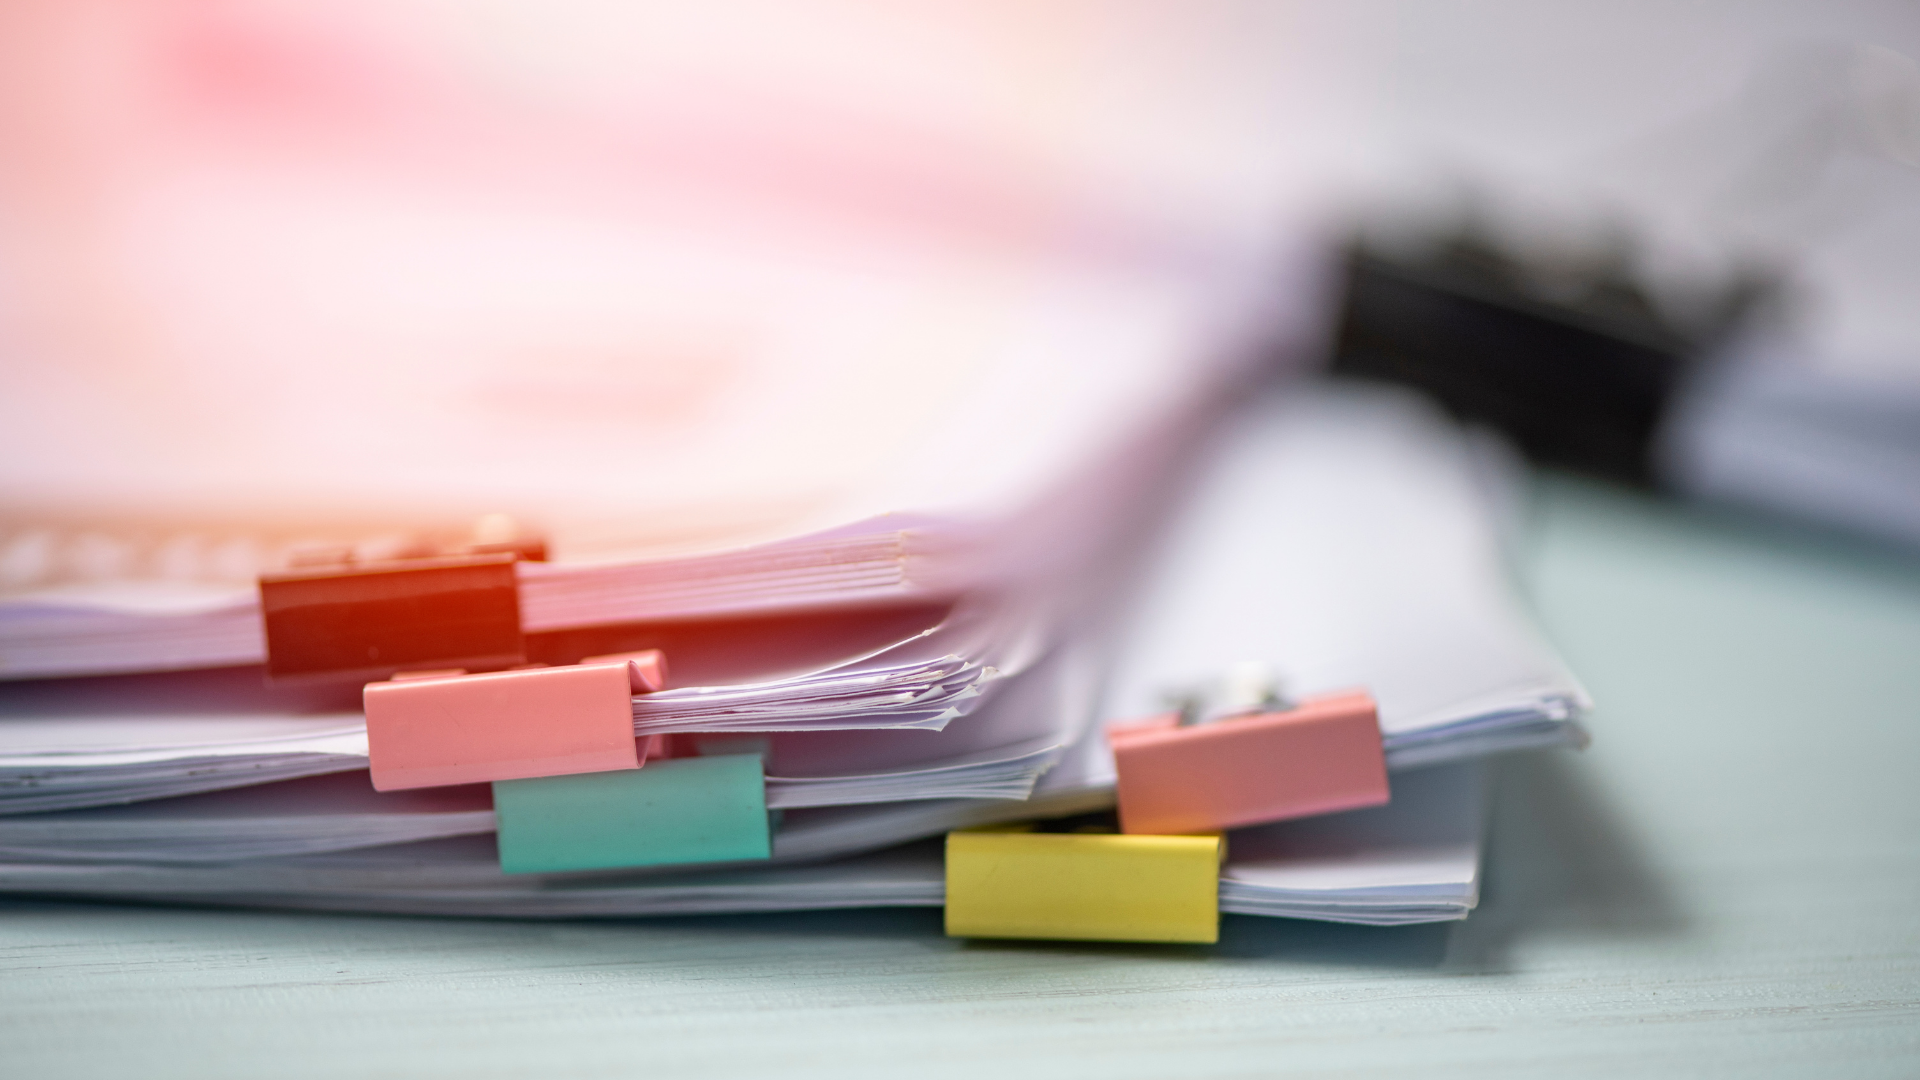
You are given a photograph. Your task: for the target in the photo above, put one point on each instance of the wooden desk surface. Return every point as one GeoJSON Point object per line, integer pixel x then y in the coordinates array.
{"type": "Point", "coordinates": [1728, 882]}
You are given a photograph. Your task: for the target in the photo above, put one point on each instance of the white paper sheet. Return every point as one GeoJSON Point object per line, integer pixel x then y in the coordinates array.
{"type": "Point", "coordinates": [1345, 537]}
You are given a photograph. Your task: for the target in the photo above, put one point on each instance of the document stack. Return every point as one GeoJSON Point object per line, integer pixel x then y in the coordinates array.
{"type": "Point", "coordinates": [722, 471]}
{"type": "Point", "coordinates": [1338, 546]}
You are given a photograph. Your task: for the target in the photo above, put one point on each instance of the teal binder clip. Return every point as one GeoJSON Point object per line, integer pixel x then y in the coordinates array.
{"type": "Point", "coordinates": [681, 810]}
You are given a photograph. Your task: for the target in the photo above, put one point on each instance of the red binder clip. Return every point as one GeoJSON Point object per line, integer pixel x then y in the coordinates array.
{"type": "Point", "coordinates": [399, 604]}
{"type": "Point", "coordinates": [1317, 757]}
{"type": "Point", "coordinates": [430, 729]}
{"type": "Point", "coordinates": [367, 621]}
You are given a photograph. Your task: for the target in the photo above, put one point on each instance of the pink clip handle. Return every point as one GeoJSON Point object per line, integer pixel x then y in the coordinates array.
{"type": "Point", "coordinates": [648, 668]}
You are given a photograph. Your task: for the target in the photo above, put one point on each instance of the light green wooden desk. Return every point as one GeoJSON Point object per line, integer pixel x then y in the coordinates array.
{"type": "Point", "coordinates": [1728, 882]}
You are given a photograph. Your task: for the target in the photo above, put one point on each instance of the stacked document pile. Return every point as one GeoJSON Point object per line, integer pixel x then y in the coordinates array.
{"type": "Point", "coordinates": [622, 464]}
{"type": "Point", "coordinates": [1338, 537]}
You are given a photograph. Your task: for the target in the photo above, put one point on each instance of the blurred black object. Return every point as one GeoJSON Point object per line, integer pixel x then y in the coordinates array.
{"type": "Point", "coordinates": [1577, 365]}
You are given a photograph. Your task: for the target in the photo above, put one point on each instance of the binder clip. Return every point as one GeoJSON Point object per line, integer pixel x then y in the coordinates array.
{"type": "Point", "coordinates": [1016, 883]}
{"type": "Point", "coordinates": [1250, 759]}
{"type": "Point", "coordinates": [342, 613]}
{"type": "Point", "coordinates": [367, 621]}
{"type": "Point", "coordinates": [677, 811]}
{"type": "Point", "coordinates": [431, 729]}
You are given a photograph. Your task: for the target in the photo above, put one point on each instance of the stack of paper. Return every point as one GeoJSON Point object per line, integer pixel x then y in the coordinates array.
{"type": "Point", "coordinates": [859, 388]}
{"type": "Point", "coordinates": [121, 625]}
{"type": "Point", "coordinates": [66, 745]}
{"type": "Point", "coordinates": [1414, 861]}
{"type": "Point", "coordinates": [1394, 513]}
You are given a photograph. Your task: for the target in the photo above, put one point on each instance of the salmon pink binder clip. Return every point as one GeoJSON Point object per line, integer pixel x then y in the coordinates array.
{"type": "Point", "coordinates": [434, 728]}
{"type": "Point", "coordinates": [1182, 773]}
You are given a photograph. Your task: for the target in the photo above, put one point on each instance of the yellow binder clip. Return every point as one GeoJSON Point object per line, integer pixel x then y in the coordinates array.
{"type": "Point", "coordinates": [1017, 883]}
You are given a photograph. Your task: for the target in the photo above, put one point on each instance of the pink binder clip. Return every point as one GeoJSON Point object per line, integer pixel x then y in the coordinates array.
{"type": "Point", "coordinates": [432, 729]}
{"type": "Point", "coordinates": [1321, 756]}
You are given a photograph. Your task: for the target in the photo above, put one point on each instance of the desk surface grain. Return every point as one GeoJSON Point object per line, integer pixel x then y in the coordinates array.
{"type": "Point", "coordinates": [1727, 882]}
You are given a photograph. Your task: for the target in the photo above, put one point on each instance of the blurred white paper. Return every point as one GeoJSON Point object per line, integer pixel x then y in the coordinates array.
{"type": "Point", "coordinates": [1350, 537]}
